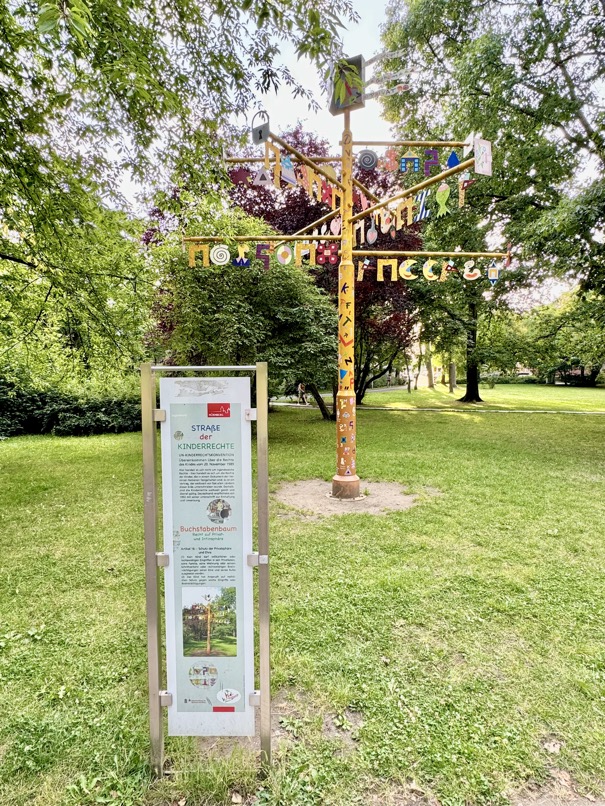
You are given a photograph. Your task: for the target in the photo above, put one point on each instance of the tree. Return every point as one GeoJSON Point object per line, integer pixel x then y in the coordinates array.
{"type": "Point", "coordinates": [84, 313]}
{"type": "Point", "coordinates": [239, 315]}
{"type": "Point", "coordinates": [526, 74]}
{"type": "Point", "coordinates": [566, 338]}
{"type": "Point", "coordinates": [92, 89]}
{"type": "Point", "coordinates": [384, 312]}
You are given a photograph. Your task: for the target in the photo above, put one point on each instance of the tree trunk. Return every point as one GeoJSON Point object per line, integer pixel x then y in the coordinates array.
{"type": "Point", "coordinates": [594, 374]}
{"type": "Point", "coordinates": [325, 411]}
{"type": "Point", "coordinates": [472, 370]}
{"type": "Point", "coordinates": [418, 367]}
{"type": "Point", "coordinates": [452, 377]}
{"type": "Point", "coordinates": [362, 381]}
{"type": "Point", "coordinates": [429, 367]}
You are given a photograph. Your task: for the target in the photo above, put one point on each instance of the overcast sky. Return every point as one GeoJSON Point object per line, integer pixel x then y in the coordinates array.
{"type": "Point", "coordinates": [197, 595]}
{"type": "Point", "coordinates": [366, 124]}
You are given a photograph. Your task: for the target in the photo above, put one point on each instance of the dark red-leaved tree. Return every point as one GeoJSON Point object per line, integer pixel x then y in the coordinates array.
{"type": "Point", "coordinates": [384, 311]}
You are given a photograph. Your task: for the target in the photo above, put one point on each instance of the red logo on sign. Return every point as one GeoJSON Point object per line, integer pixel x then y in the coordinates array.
{"type": "Point", "coordinates": [219, 409]}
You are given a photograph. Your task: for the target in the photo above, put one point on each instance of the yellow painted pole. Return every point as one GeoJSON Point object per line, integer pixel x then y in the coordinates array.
{"type": "Point", "coordinates": [345, 484]}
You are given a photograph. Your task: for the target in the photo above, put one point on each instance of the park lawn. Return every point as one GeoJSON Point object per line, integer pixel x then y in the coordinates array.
{"type": "Point", "coordinates": [451, 644]}
{"type": "Point", "coordinates": [514, 397]}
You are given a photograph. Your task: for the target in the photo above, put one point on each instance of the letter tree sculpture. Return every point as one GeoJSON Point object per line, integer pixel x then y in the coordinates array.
{"type": "Point", "coordinates": [283, 164]}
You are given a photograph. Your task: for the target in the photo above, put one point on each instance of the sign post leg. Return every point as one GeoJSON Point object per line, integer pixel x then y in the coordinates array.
{"type": "Point", "coordinates": [345, 484]}
{"type": "Point", "coordinates": [152, 581]}
{"type": "Point", "coordinates": [262, 445]}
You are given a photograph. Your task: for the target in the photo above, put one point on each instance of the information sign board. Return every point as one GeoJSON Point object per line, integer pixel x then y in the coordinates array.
{"type": "Point", "coordinates": [207, 513]}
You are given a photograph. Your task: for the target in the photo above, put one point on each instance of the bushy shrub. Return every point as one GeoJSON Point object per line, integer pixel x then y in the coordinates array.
{"type": "Point", "coordinates": [35, 411]}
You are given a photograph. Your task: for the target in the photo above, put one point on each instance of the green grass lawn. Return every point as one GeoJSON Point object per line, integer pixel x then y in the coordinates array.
{"type": "Point", "coordinates": [219, 647]}
{"type": "Point", "coordinates": [451, 644]}
{"type": "Point", "coordinates": [520, 397]}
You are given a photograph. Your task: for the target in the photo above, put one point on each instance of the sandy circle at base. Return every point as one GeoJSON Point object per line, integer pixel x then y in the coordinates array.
{"type": "Point", "coordinates": [312, 497]}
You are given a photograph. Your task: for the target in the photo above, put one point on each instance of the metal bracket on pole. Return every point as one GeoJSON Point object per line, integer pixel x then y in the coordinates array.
{"type": "Point", "coordinates": [159, 415]}
{"type": "Point", "coordinates": [254, 699]}
{"type": "Point", "coordinates": [255, 559]}
{"type": "Point", "coordinates": [162, 559]}
{"type": "Point", "coordinates": [165, 699]}
{"type": "Point", "coordinates": [250, 415]}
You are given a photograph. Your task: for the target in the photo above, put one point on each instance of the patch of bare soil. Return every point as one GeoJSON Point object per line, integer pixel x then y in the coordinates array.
{"type": "Point", "coordinates": [408, 794]}
{"type": "Point", "coordinates": [292, 712]}
{"type": "Point", "coordinates": [311, 499]}
{"type": "Point", "coordinates": [560, 791]}
{"type": "Point", "coordinates": [284, 711]}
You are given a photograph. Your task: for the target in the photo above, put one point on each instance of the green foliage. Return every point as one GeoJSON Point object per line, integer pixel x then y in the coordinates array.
{"type": "Point", "coordinates": [232, 315]}
{"type": "Point", "coordinates": [75, 303]}
{"type": "Point", "coordinates": [566, 337]}
{"type": "Point", "coordinates": [94, 90]}
{"type": "Point", "coordinates": [26, 410]}
{"type": "Point", "coordinates": [156, 82]}
{"type": "Point", "coordinates": [346, 81]}
{"type": "Point", "coordinates": [526, 75]}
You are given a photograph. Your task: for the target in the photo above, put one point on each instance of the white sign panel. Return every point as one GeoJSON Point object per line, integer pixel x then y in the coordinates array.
{"type": "Point", "coordinates": [207, 508]}
{"type": "Point", "coordinates": [483, 157]}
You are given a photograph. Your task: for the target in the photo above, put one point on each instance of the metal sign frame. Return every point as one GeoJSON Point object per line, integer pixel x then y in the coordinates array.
{"type": "Point", "coordinates": [155, 557]}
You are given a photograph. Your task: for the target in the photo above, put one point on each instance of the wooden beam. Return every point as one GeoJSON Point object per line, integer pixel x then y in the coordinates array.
{"type": "Point", "coordinates": [463, 166]}
{"type": "Point", "coordinates": [306, 161]}
{"type": "Point", "coordinates": [258, 238]}
{"type": "Point", "coordinates": [412, 143]}
{"type": "Point", "coordinates": [454, 254]}
{"type": "Point", "coordinates": [244, 160]}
